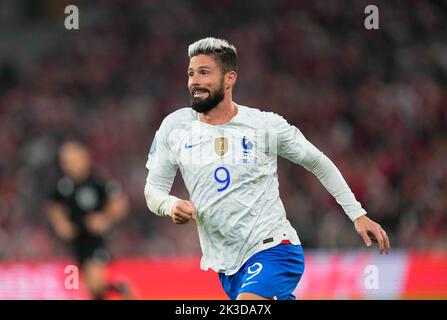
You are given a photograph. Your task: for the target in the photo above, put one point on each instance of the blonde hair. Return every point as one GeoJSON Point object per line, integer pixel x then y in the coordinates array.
{"type": "Point", "coordinates": [220, 48]}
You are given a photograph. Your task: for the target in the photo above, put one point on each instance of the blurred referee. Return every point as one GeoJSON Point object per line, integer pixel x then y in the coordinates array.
{"type": "Point", "coordinates": [82, 210]}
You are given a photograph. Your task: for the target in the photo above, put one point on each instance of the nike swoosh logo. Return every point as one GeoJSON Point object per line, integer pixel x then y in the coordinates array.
{"type": "Point", "coordinates": [247, 283]}
{"type": "Point", "coordinates": [189, 146]}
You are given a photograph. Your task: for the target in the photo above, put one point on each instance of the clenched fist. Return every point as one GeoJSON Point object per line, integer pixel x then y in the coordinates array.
{"type": "Point", "coordinates": [183, 211]}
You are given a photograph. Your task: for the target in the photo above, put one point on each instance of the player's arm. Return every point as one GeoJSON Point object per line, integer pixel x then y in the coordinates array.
{"type": "Point", "coordinates": [331, 178]}
{"type": "Point", "coordinates": [115, 210]}
{"type": "Point", "coordinates": [294, 146]}
{"type": "Point", "coordinates": [60, 222]}
{"type": "Point", "coordinates": [162, 170]}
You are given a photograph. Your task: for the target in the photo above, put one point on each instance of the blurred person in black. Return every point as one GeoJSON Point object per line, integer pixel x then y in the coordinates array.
{"type": "Point", "coordinates": [82, 210]}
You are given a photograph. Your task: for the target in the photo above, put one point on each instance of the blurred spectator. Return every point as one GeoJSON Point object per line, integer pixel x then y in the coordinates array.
{"type": "Point", "coordinates": [82, 210]}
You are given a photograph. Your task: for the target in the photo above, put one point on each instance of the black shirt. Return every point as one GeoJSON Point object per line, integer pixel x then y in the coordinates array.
{"type": "Point", "coordinates": [81, 199]}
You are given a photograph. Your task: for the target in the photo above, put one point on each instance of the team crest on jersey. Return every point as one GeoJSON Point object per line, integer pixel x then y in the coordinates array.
{"type": "Point", "coordinates": [221, 145]}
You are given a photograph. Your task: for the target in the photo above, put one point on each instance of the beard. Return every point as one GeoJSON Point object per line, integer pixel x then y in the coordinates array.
{"type": "Point", "coordinates": [204, 105]}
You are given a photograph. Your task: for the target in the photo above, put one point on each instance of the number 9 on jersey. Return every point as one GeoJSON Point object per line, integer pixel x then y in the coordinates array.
{"type": "Point", "coordinates": [222, 176]}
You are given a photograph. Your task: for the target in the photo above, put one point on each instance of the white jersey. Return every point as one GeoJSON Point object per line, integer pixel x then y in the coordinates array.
{"type": "Point", "coordinates": [230, 172]}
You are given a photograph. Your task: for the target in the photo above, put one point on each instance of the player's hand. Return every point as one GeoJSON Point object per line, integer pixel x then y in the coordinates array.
{"type": "Point", "coordinates": [97, 223]}
{"type": "Point", "coordinates": [183, 211]}
{"type": "Point", "coordinates": [372, 232]}
{"type": "Point", "coordinates": [67, 231]}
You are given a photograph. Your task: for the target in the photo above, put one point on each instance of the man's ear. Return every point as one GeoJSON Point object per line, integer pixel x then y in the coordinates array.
{"type": "Point", "coordinates": [230, 79]}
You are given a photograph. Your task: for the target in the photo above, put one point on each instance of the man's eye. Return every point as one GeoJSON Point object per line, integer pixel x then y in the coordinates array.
{"type": "Point", "coordinates": [203, 72]}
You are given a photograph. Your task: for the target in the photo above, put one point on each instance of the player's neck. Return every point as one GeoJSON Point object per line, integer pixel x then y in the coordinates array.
{"type": "Point", "coordinates": [221, 114]}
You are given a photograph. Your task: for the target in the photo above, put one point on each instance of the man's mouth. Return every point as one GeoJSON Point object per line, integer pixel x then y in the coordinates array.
{"type": "Point", "coordinates": [200, 93]}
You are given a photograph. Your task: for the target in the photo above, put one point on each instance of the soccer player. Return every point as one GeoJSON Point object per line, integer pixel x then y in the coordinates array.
{"type": "Point", "coordinates": [227, 153]}
{"type": "Point", "coordinates": [82, 210]}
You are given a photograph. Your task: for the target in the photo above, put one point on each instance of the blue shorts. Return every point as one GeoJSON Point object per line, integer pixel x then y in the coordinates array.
{"type": "Point", "coordinates": [273, 273]}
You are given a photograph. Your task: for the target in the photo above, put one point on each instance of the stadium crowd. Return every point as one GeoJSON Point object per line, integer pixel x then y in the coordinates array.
{"type": "Point", "coordinates": [374, 101]}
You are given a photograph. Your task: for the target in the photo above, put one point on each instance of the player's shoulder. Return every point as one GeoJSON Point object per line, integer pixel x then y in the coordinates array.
{"type": "Point", "coordinates": [179, 118]}
{"type": "Point", "coordinates": [268, 118]}
{"type": "Point", "coordinates": [183, 115]}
